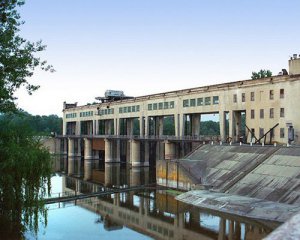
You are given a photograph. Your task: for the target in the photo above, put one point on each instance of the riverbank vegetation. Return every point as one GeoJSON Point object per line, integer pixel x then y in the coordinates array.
{"type": "Point", "coordinates": [39, 125]}
{"type": "Point", "coordinates": [25, 167]}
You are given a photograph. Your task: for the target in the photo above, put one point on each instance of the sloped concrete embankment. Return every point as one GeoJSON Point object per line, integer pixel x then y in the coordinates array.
{"type": "Point", "coordinates": [276, 179]}
{"type": "Point", "coordinates": [214, 167]}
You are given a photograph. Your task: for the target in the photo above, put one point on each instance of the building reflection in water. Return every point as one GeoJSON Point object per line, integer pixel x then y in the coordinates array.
{"type": "Point", "coordinates": [155, 213]}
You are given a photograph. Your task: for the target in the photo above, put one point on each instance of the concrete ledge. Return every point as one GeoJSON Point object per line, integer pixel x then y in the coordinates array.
{"type": "Point", "coordinates": [238, 205]}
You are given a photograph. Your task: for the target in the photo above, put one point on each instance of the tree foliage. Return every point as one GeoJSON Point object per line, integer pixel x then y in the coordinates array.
{"type": "Point", "coordinates": [18, 56]}
{"type": "Point", "coordinates": [25, 166]}
{"type": "Point", "coordinates": [261, 74]}
{"type": "Point", "coordinates": [39, 125]}
{"type": "Point", "coordinates": [25, 170]}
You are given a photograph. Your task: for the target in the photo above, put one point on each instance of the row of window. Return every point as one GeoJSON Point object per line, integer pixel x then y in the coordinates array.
{"type": "Point", "coordinates": [262, 132]}
{"type": "Point", "coordinates": [129, 109]}
{"type": "Point", "coordinates": [71, 115]}
{"type": "Point", "coordinates": [163, 231]}
{"type": "Point", "coordinates": [106, 111]}
{"type": "Point", "coordinates": [261, 94]}
{"type": "Point", "coordinates": [161, 105]}
{"type": "Point", "coordinates": [262, 113]}
{"type": "Point", "coordinates": [86, 114]}
{"type": "Point", "coordinates": [200, 101]}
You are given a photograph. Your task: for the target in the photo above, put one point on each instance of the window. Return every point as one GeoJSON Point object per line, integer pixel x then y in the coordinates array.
{"type": "Point", "coordinates": [192, 102]}
{"type": "Point", "coordinates": [199, 101]}
{"type": "Point", "coordinates": [252, 97]}
{"type": "Point", "coordinates": [252, 133]}
{"type": "Point", "coordinates": [120, 110]}
{"type": "Point", "coordinates": [105, 111]}
{"type": "Point", "coordinates": [282, 93]}
{"type": "Point", "coordinates": [281, 112]}
{"type": "Point", "coordinates": [133, 108]}
{"type": "Point", "coordinates": [215, 99]}
{"type": "Point", "coordinates": [261, 95]}
{"type": "Point", "coordinates": [234, 98]}
{"type": "Point", "coordinates": [261, 113]}
{"type": "Point", "coordinates": [154, 106]}
{"type": "Point", "coordinates": [261, 132]}
{"type": "Point", "coordinates": [129, 109]}
{"type": "Point", "coordinates": [252, 114]}
{"type": "Point", "coordinates": [185, 103]}
{"type": "Point", "coordinates": [281, 132]}
{"type": "Point", "coordinates": [166, 105]}
{"type": "Point", "coordinates": [138, 108]}
{"type": "Point", "coordinates": [150, 107]}
{"type": "Point", "coordinates": [125, 108]}
{"type": "Point", "coordinates": [271, 112]}
{"type": "Point", "coordinates": [243, 97]}
{"type": "Point", "coordinates": [160, 105]}
{"type": "Point", "coordinates": [271, 94]}
{"type": "Point", "coordinates": [172, 104]}
{"type": "Point", "coordinates": [207, 101]}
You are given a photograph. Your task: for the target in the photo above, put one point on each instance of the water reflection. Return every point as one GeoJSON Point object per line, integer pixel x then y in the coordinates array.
{"type": "Point", "coordinates": [153, 213]}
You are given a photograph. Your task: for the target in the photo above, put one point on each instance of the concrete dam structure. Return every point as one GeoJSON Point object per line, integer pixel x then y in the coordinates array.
{"type": "Point", "coordinates": [133, 129]}
{"type": "Point", "coordinates": [260, 176]}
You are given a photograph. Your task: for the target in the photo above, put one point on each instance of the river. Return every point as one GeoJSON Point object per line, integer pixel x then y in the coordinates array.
{"type": "Point", "coordinates": [145, 213]}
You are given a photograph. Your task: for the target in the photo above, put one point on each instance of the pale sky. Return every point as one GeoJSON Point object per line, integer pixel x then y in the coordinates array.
{"type": "Point", "coordinates": [151, 46]}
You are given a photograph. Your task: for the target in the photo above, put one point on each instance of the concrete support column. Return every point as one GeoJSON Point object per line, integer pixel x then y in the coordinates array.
{"type": "Point", "coordinates": [71, 147]}
{"type": "Point", "coordinates": [222, 229]}
{"type": "Point", "coordinates": [96, 127]}
{"type": "Point", "coordinates": [161, 133]}
{"type": "Point", "coordinates": [108, 151]}
{"type": "Point", "coordinates": [87, 169]}
{"type": "Point", "coordinates": [195, 124]}
{"type": "Point", "coordinates": [146, 126]}
{"type": "Point", "coordinates": [177, 124]}
{"type": "Point", "coordinates": [222, 125]}
{"type": "Point", "coordinates": [135, 155]}
{"type": "Point", "coordinates": [179, 220]}
{"type": "Point", "coordinates": [78, 186]}
{"type": "Point", "coordinates": [108, 175]}
{"type": "Point", "coordinates": [135, 178]}
{"type": "Point", "coordinates": [117, 199]}
{"type": "Point", "coordinates": [116, 127]}
{"type": "Point", "coordinates": [71, 166]}
{"type": "Point", "coordinates": [129, 124]}
{"type": "Point", "coordinates": [181, 122]}
{"type": "Point", "coordinates": [236, 126]}
{"type": "Point", "coordinates": [231, 230]}
{"type": "Point", "coordinates": [231, 124]}
{"type": "Point", "coordinates": [88, 149]}
{"type": "Point", "coordinates": [142, 126]}
{"type": "Point", "coordinates": [78, 147]}
{"type": "Point", "coordinates": [65, 146]}
{"type": "Point", "coordinates": [147, 204]}
{"type": "Point", "coordinates": [64, 132]}
{"type": "Point", "coordinates": [78, 128]}
{"type": "Point", "coordinates": [147, 154]}
{"type": "Point", "coordinates": [237, 230]}
{"type": "Point", "coordinates": [108, 127]}
{"type": "Point", "coordinates": [141, 207]}
{"type": "Point", "coordinates": [170, 150]}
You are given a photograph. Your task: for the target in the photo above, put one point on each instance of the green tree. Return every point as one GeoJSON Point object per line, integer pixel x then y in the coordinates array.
{"type": "Point", "coordinates": [261, 74]}
{"type": "Point", "coordinates": [24, 164]}
{"type": "Point", "coordinates": [40, 125]}
{"type": "Point", "coordinates": [18, 56]}
{"type": "Point", "coordinates": [25, 170]}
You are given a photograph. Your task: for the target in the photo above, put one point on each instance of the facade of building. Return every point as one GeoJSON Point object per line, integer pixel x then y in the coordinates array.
{"type": "Point", "coordinates": [249, 110]}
